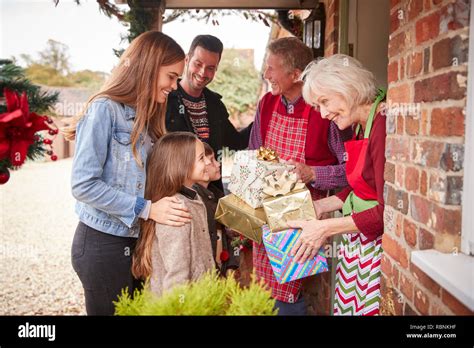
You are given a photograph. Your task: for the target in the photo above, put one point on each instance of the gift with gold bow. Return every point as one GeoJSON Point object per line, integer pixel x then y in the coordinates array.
{"type": "Point", "coordinates": [249, 170]}
{"type": "Point", "coordinates": [287, 199]}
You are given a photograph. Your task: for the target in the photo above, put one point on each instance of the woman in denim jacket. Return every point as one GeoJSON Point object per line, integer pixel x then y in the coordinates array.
{"type": "Point", "coordinates": [113, 138]}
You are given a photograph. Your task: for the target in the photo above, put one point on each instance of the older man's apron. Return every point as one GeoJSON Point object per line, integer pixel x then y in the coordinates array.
{"type": "Point", "coordinates": [357, 290]}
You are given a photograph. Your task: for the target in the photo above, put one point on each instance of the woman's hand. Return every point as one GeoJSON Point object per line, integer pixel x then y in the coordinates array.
{"type": "Point", "coordinates": [170, 211]}
{"type": "Point", "coordinates": [327, 205]}
{"type": "Point", "coordinates": [304, 172]}
{"type": "Point", "coordinates": [311, 239]}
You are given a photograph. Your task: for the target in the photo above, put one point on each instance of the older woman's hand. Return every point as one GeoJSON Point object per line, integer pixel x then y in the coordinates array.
{"type": "Point", "coordinates": [310, 241]}
{"type": "Point", "coordinates": [304, 172]}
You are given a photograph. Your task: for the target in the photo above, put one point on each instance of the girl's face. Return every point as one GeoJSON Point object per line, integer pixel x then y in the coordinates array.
{"type": "Point", "coordinates": [199, 172]}
{"type": "Point", "coordinates": [214, 168]}
{"type": "Point", "coordinates": [335, 108]}
{"type": "Point", "coordinates": [168, 80]}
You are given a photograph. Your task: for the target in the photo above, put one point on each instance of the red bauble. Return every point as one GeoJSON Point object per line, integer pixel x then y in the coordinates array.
{"type": "Point", "coordinates": [54, 158]}
{"type": "Point", "coordinates": [224, 256]}
{"type": "Point", "coordinates": [47, 141]}
{"type": "Point", "coordinates": [4, 176]}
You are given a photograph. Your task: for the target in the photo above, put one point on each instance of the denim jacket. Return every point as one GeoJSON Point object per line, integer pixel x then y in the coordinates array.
{"type": "Point", "coordinates": [107, 182]}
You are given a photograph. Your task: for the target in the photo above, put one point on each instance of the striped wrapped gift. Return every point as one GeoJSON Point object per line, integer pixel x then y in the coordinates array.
{"type": "Point", "coordinates": [278, 246]}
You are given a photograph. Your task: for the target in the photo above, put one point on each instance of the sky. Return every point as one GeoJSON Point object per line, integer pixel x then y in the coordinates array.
{"type": "Point", "coordinates": [26, 26]}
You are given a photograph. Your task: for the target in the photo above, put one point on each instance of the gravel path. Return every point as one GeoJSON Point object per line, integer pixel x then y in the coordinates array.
{"type": "Point", "coordinates": [37, 224]}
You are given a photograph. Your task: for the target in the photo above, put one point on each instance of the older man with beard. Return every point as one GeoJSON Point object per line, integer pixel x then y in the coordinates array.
{"type": "Point", "coordinates": [295, 130]}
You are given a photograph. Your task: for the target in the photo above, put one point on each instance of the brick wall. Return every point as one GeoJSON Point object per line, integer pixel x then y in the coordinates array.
{"type": "Point", "coordinates": [427, 72]}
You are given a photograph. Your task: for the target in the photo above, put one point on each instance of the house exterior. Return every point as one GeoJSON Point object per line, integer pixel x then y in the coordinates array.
{"type": "Point", "coordinates": [419, 50]}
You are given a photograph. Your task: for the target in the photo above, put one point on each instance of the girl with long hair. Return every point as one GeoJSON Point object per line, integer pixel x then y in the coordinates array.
{"type": "Point", "coordinates": [172, 255]}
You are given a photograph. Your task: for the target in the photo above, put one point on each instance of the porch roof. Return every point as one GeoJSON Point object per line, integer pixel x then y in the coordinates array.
{"type": "Point", "coordinates": [234, 4]}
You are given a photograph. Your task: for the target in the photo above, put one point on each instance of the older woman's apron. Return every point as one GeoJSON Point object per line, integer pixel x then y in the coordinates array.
{"type": "Point", "coordinates": [357, 290]}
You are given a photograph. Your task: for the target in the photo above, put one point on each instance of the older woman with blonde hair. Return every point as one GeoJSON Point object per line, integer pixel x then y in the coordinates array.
{"type": "Point", "coordinates": [346, 94]}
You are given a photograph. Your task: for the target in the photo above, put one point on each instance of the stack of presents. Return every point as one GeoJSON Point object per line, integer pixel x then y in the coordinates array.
{"type": "Point", "coordinates": [265, 195]}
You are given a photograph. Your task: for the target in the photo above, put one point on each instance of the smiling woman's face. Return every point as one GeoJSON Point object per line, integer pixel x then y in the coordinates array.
{"type": "Point", "coordinates": [335, 108]}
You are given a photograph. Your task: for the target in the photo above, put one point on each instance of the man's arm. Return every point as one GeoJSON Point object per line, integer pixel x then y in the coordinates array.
{"type": "Point", "coordinates": [332, 177]}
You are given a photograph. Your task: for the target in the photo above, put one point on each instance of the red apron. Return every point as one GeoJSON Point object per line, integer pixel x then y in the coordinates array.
{"type": "Point", "coordinates": [357, 288]}
{"type": "Point", "coordinates": [287, 136]}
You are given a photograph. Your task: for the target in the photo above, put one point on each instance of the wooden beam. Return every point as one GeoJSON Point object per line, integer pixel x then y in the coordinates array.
{"type": "Point", "coordinates": [236, 4]}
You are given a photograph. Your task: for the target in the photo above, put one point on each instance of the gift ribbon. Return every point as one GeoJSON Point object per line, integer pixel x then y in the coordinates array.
{"type": "Point", "coordinates": [280, 185]}
{"type": "Point", "coordinates": [266, 154]}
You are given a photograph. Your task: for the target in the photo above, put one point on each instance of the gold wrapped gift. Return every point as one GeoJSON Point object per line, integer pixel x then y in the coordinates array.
{"type": "Point", "coordinates": [240, 217]}
{"type": "Point", "coordinates": [289, 200]}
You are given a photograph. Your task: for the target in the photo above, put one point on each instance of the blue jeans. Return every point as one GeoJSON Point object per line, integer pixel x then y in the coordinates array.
{"type": "Point", "coordinates": [296, 308]}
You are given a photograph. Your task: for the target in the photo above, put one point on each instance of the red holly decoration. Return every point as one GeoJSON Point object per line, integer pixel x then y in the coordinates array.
{"type": "Point", "coordinates": [4, 176]}
{"type": "Point", "coordinates": [18, 127]}
{"type": "Point", "coordinates": [224, 256]}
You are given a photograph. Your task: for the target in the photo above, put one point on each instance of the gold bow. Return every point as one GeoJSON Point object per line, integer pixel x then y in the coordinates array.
{"type": "Point", "coordinates": [280, 185]}
{"type": "Point", "coordinates": [266, 154]}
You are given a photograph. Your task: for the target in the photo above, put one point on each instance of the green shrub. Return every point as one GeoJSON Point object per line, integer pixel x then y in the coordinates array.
{"type": "Point", "coordinates": [210, 295]}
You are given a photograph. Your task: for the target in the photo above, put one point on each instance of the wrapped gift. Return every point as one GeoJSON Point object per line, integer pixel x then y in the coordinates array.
{"type": "Point", "coordinates": [278, 246]}
{"type": "Point", "coordinates": [289, 200]}
{"type": "Point", "coordinates": [248, 172]}
{"type": "Point", "coordinates": [237, 215]}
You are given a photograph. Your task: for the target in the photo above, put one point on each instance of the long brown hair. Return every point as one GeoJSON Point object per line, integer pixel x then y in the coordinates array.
{"type": "Point", "coordinates": [135, 82]}
{"type": "Point", "coordinates": [169, 164]}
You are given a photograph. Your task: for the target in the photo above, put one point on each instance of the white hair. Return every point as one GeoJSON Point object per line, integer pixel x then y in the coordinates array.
{"type": "Point", "coordinates": [342, 75]}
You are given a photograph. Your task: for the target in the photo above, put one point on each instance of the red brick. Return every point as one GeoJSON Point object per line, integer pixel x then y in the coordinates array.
{"type": "Point", "coordinates": [426, 240]}
{"type": "Point", "coordinates": [406, 287]}
{"type": "Point", "coordinates": [395, 250]}
{"type": "Point", "coordinates": [397, 199]}
{"type": "Point", "coordinates": [425, 280]}
{"type": "Point", "coordinates": [453, 303]}
{"type": "Point", "coordinates": [396, 44]}
{"type": "Point", "coordinates": [420, 209]}
{"type": "Point", "coordinates": [447, 122]}
{"type": "Point", "coordinates": [423, 183]}
{"type": "Point", "coordinates": [400, 123]}
{"type": "Point", "coordinates": [399, 176]}
{"type": "Point", "coordinates": [454, 16]}
{"type": "Point", "coordinates": [389, 172]}
{"type": "Point", "coordinates": [399, 224]}
{"type": "Point", "coordinates": [415, 64]}
{"type": "Point", "coordinates": [408, 310]}
{"type": "Point", "coordinates": [427, 5]}
{"type": "Point", "coordinates": [392, 72]}
{"type": "Point", "coordinates": [428, 153]}
{"type": "Point", "coordinates": [399, 94]}
{"type": "Point", "coordinates": [410, 232]}
{"type": "Point", "coordinates": [412, 179]}
{"type": "Point", "coordinates": [447, 220]}
{"type": "Point", "coordinates": [422, 301]}
{"type": "Point", "coordinates": [402, 68]}
{"type": "Point", "coordinates": [412, 125]}
{"type": "Point", "coordinates": [427, 28]}
{"type": "Point", "coordinates": [440, 87]}
{"type": "Point", "coordinates": [450, 52]}
{"type": "Point", "coordinates": [452, 158]}
{"type": "Point", "coordinates": [394, 21]}
{"type": "Point", "coordinates": [446, 189]}
{"type": "Point", "coordinates": [424, 122]}
{"type": "Point", "coordinates": [415, 7]}
{"type": "Point", "coordinates": [397, 149]}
